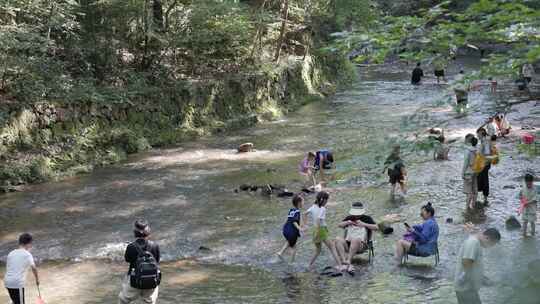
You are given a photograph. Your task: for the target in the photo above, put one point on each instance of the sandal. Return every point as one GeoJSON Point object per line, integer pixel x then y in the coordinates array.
{"type": "Point", "coordinates": [351, 270]}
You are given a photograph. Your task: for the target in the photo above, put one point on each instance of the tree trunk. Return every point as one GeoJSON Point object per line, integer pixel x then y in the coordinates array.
{"type": "Point", "coordinates": [258, 33]}
{"type": "Point", "coordinates": [158, 15]}
{"type": "Point", "coordinates": [284, 17]}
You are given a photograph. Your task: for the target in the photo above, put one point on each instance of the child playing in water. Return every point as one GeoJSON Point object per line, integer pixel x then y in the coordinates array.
{"type": "Point", "coordinates": [442, 149]}
{"type": "Point", "coordinates": [293, 227]}
{"type": "Point", "coordinates": [320, 232]}
{"type": "Point", "coordinates": [306, 169]}
{"type": "Point", "coordinates": [502, 124]}
{"type": "Point", "coordinates": [396, 171]}
{"type": "Point", "coordinates": [528, 197]}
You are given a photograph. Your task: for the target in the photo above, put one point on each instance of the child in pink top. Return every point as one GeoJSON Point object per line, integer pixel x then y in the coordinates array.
{"type": "Point", "coordinates": [306, 168]}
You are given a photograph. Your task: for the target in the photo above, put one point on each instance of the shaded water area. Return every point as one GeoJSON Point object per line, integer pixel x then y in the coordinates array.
{"type": "Point", "coordinates": [81, 225]}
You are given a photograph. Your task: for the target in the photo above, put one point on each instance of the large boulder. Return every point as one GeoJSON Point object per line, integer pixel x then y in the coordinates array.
{"type": "Point", "coordinates": [246, 147]}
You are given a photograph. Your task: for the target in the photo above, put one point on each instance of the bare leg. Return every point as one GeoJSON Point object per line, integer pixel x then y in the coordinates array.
{"type": "Point", "coordinates": [332, 248]}
{"type": "Point", "coordinates": [355, 245]}
{"type": "Point", "coordinates": [282, 251]}
{"type": "Point", "coordinates": [293, 254]}
{"type": "Point", "coordinates": [402, 247]}
{"type": "Point", "coordinates": [341, 246]}
{"type": "Point", "coordinates": [470, 203]}
{"type": "Point", "coordinates": [315, 256]}
{"type": "Point", "coordinates": [403, 187]}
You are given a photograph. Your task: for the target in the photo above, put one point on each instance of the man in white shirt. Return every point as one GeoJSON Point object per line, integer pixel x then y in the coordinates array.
{"type": "Point", "coordinates": [17, 264]}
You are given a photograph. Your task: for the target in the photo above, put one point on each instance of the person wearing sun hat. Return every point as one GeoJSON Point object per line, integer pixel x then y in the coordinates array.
{"type": "Point", "coordinates": [358, 231]}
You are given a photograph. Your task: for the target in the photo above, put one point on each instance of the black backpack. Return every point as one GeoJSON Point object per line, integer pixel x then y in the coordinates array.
{"type": "Point", "coordinates": [146, 274]}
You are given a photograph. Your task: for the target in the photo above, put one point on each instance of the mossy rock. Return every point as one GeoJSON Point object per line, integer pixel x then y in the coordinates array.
{"type": "Point", "coordinates": [128, 140]}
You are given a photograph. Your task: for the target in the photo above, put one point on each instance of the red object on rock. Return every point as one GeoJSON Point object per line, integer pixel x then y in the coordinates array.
{"type": "Point", "coordinates": [528, 138]}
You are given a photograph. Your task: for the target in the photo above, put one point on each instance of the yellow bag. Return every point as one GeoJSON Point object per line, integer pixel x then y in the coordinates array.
{"type": "Point", "coordinates": [495, 154]}
{"type": "Point", "coordinates": [479, 163]}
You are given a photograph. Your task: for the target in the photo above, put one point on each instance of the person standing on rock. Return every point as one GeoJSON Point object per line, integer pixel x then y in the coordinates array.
{"type": "Point", "coordinates": [528, 197]}
{"type": "Point", "coordinates": [143, 276]}
{"type": "Point", "coordinates": [417, 75]}
{"type": "Point", "coordinates": [470, 182]}
{"type": "Point", "coordinates": [469, 275]}
{"type": "Point", "coordinates": [17, 264]}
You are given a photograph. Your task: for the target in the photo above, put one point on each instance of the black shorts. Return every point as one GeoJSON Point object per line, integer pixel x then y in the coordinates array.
{"type": "Point", "coordinates": [291, 238]}
{"type": "Point", "coordinates": [362, 248]}
{"type": "Point", "coordinates": [413, 250]}
{"type": "Point", "coordinates": [396, 178]}
{"type": "Point", "coordinates": [16, 295]}
{"type": "Point", "coordinates": [439, 73]}
{"type": "Point", "coordinates": [529, 79]}
{"type": "Point", "coordinates": [462, 101]}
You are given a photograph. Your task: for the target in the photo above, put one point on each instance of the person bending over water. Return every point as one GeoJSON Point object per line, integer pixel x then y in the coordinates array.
{"type": "Point", "coordinates": [420, 240]}
{"type": "Point", "coordinates": [320, 230]}
{"type": "Point", "coordinates": [324, 160]}
{"type": "Point", "coordinates": [293, 227]}
{"type": "Point", "coordinates": [502, 124]}
{"type": "Point", "coordinates": [469, 274]}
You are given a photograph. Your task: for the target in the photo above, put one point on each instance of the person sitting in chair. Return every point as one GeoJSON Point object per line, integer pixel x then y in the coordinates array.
{"type": "Point", "coordinates": [358, 232]}
{"type": "Point", "coordinates": [420, 240]}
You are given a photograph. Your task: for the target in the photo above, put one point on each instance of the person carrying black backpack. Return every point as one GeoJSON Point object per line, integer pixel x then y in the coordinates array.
{"type": "Point", "coordinates": [144, 276]}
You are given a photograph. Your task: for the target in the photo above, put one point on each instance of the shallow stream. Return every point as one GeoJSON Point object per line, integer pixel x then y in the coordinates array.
{"type": "Point", "coordinates": [81, 225]}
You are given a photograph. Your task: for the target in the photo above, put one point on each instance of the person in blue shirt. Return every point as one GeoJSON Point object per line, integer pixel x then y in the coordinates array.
{"type": "Point", "coordinates": [293, 227]}
{"type": "Point", "coordinates": [420, 240]}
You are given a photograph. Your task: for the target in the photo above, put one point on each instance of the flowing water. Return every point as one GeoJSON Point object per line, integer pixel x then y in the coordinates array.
{"type": "Point", "coordinates": [81, 225]}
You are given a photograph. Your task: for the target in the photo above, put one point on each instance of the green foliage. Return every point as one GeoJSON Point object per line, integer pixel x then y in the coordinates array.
{"type": "Point", "coordinates": [219, 33]}
{"type": "Point", "coordinates": [437, 33]}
